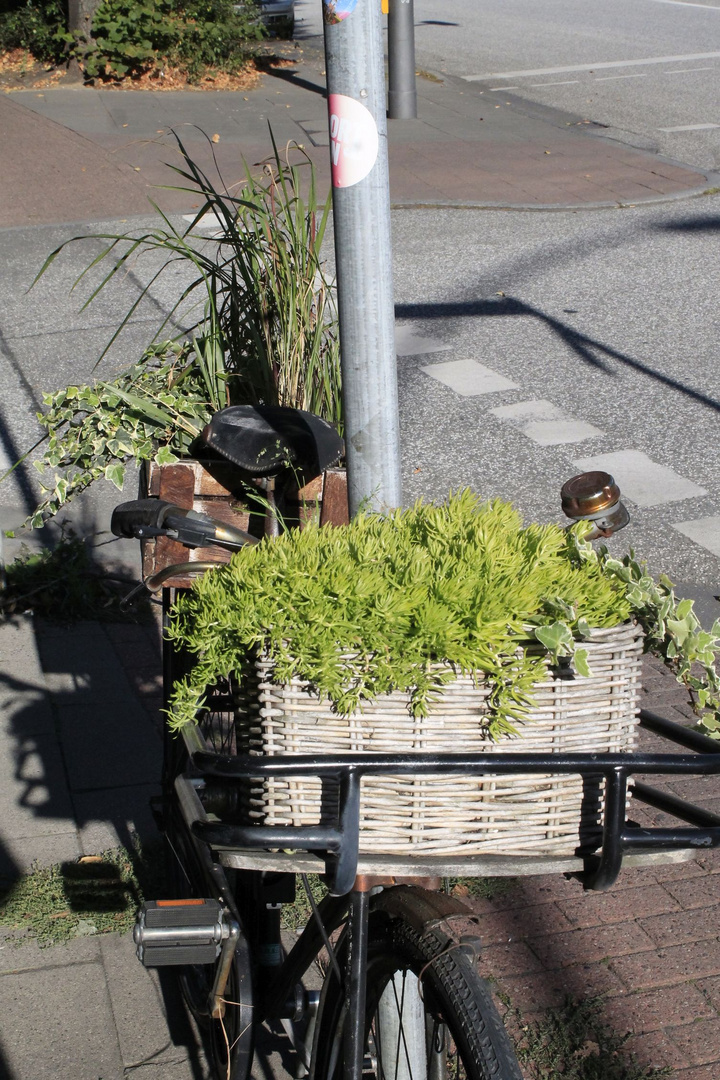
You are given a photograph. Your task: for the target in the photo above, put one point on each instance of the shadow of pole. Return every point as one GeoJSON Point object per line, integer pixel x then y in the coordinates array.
{"type": "Point", "coordinates": [582, 345]}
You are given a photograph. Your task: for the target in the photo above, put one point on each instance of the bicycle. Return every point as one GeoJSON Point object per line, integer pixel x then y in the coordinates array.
{"type": "Point", "coordinates": [401, 995]}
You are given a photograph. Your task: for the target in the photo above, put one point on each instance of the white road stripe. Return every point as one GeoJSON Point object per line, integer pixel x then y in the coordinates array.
{"type": "Point", "coordinates": [607, 78]}
{"type": "Point", "coordinates": [592, 67]}
{"type": "Point", "coordinates": [546, 423]}
{"type": "Point", "coordinates": [410, 343]}
{"type": "Point", "coordinates": [691, 127]}
{"type": "Point", "coordinates": [566, 82]}
{"type": "Point", "coordinates": [468, 378]}
{"type": "Point", "coordinates": [703, 531]}
{"type": "Point", "coordinates": [686, 71]}
{"type": "Point", "coordinates": [643, 481]}
{"type": "Point", "coordinates": [683, 3]}
{"type": "Point", "coordinates": [497, 89]}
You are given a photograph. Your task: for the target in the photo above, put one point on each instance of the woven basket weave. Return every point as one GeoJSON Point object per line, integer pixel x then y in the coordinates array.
{"type": "Point", "coordinates": [449, 815]}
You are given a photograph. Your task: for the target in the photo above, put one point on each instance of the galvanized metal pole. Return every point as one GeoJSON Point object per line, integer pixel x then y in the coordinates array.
{"type": "Point", "coordinates": [402, 95]}
{"type": "Point", "coordinates": [361, 214]}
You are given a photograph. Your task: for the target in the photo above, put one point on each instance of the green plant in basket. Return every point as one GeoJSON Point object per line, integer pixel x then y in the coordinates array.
{"type": "Point", "coordinates": [259, 326]}
{"type": "Point", "coordinates": [403, 602]}
{"type": "Point", "coordinates": [400, 603]}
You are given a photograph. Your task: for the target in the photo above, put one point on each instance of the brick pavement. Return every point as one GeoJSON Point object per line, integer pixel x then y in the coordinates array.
{"type": "Point", "coordinates": [74, 153]}
{"type": "Point", "coordinates": [650, 946]}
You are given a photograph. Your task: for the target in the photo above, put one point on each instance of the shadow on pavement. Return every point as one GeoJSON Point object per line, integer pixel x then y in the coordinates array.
{"type": "Point", "coordinates": [711, 223]}
{"type": "Point", "coordinates": [582, 345]}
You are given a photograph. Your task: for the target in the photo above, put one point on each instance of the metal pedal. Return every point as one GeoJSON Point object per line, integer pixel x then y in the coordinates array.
{"type": "Point", "coordinates": [170, 932]}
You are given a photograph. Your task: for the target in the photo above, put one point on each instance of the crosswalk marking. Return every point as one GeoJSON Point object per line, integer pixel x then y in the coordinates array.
{"type": "Point", "coordinates": [409, 343]}
{"type": "Point", "coordinates": [546, 423]}
{"type": "Point", "coordinates": [642, 480]}
{"type": "Point", "coordinates": [703, 531]}
{"type": "Point", "coordinates": [468, 378]}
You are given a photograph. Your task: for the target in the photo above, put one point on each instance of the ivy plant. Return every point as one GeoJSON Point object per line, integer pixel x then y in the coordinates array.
{"type": "Point", "coordinates": [672, 629]}
{"type": "Point", "coordinates": [153, 411]}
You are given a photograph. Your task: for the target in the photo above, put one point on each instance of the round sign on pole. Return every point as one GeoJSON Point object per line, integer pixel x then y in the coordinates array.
{"type": "Point", "coordinates": [334, 11]}
{"type": "Point", "coordinates": [354, 140]}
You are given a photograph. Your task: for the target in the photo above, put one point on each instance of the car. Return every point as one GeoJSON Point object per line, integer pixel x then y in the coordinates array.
{"type": "Point", "coordinates": [279, 15]}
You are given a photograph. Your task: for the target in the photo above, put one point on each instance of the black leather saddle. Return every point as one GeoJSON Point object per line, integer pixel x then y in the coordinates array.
{"type": "Point", "coordinates": [265, 440]}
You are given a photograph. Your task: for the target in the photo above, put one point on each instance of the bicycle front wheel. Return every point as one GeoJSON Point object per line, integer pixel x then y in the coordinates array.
{"type": "Point", "coordinates": [429, 1015]}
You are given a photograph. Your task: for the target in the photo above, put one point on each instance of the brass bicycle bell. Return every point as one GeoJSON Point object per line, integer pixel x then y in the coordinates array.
{"type": "Point", "coordinates": [595, 497]}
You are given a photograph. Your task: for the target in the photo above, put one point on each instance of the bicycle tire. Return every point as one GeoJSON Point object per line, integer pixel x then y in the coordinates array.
{"type": "Point", "coordinates": [465, 1038]}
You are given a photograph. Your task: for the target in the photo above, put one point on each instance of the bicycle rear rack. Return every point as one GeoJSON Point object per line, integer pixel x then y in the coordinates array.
{"type": "Point", "coordinates": [602, 851]}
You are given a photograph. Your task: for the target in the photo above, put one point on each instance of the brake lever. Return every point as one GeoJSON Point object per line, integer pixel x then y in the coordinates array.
{"type": "Point", "coordinates": [155, 582]}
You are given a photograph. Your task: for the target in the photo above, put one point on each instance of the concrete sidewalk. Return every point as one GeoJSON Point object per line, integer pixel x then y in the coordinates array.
{"type": "Point", "coordinates": [73, 153]}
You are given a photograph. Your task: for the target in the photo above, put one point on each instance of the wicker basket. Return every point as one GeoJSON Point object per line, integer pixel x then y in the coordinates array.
{"type": "Point", "coordinates": [446, 815]}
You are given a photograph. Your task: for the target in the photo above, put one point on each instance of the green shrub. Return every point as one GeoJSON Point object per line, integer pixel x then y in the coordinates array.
{"type": "Point", "coordinates": [135, 36]}
{"type": "Point", "coordinates": [130, 37]}
{"type": "Point", "coordinates": [36, 25]}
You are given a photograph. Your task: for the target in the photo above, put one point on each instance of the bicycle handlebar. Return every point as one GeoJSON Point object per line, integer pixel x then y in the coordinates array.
{"type": "Point", "coordinates": [146, 518]}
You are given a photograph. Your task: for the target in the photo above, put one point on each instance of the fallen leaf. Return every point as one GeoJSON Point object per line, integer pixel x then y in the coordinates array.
{"type": "Point", "coordinates": [216, 137]}
{"type": "Point", "coordinates": [124, 125]}
{"type": "Point", "coordinates": [91, 858]}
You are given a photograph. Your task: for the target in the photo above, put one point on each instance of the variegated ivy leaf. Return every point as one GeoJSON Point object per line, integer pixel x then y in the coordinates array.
{"type": "Point", "coordinates": [680, 629]}
{"type": "Point", "coordinates": [684, 608]}
{"type": "Point", "coordinates": [165, 456]}
{"type": "Point", "coordinates": [580, 663]}
{"type": "Point", "coordinates": [115, 473]}
{"type": "Point", "coordinates": [557, 639]}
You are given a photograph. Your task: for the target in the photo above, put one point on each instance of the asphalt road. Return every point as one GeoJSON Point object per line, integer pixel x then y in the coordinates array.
{"type": "Point", "coordinates": [648, 69]}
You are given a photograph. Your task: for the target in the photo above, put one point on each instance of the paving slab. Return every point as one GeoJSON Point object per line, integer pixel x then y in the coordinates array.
{"type": "Point", "coordinates": [155, 1035]}
{"type": "Point", "coordinates": [59, 1022]}
{"type": "Point", "coordinates": [51, 173]}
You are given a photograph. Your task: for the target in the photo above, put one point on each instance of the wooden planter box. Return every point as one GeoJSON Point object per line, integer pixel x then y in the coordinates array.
{"type": "Point", "coordinates": [212, 488]}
